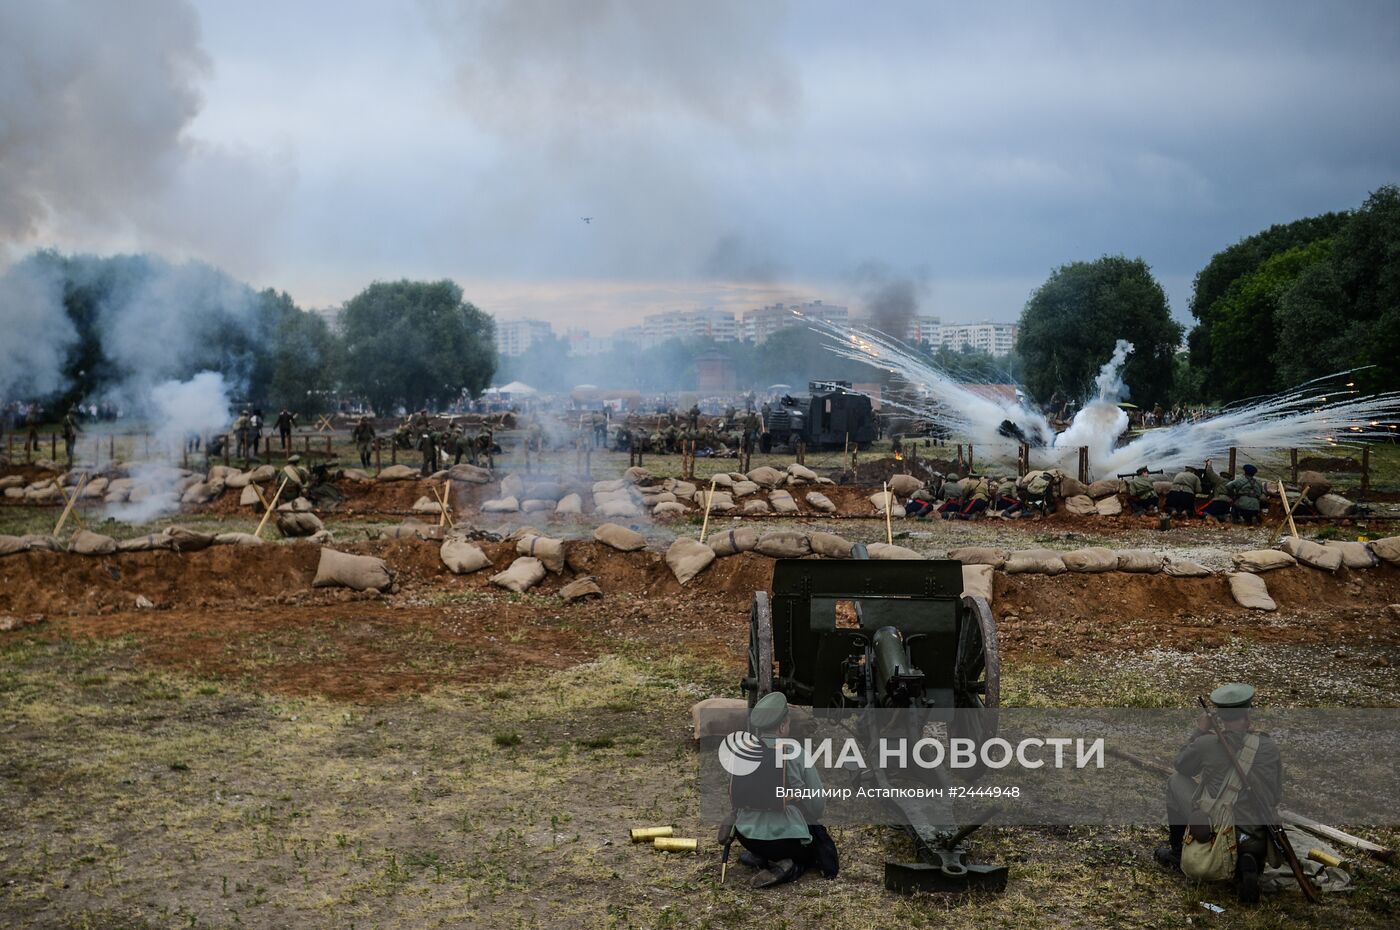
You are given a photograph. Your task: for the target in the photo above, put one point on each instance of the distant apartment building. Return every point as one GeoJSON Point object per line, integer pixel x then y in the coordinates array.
{"type": "Point", "coordinates": [765, 321]}
{"type": "Point", "coordinates": [513, 337]}
{"type": "Point", "coordinates": [689, 324]}
{"type": "Point", "coordinates": [583, 344]}
{"type": "Point", "coordinates": [992, 338]}
{"type": "Point", "coordinates": [917, 329]}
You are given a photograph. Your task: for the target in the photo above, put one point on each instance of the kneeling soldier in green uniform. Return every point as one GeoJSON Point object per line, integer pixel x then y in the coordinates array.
{"type": "Point", "coordinates": [1205, 786]}
{"type": "Point", "coordinates": [1142, 492]}
{"type": "Point", "coordinates": [783, 840]}
{"type": "Point", "coordinates": [1246, 497]}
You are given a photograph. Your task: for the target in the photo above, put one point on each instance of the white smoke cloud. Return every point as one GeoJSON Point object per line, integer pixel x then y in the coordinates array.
{"type": "Point", "coordinates": [36, 338]}
{"type": "Point", "coordinates": [1100, 422]}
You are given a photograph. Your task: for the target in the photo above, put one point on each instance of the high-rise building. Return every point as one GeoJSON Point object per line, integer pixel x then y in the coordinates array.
{"type": "Point", "coordinates": [583, 344]}
{"type": "Point", "coordinates": [992, 338]}
{"type": "Point", "coordinates": [763, 322]}
{"type": "Point", "coordinates": [513, 337]}
{"type": "Point", "coordinates": [718, 325]}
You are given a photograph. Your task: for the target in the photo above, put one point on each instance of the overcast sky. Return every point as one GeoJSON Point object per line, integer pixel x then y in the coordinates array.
{"type": "Point", "coordinates": [729, 153]}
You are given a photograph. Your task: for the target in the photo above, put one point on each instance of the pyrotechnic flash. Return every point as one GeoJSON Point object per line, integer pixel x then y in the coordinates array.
{"type": "Point", "coordinates": [1306, 417]}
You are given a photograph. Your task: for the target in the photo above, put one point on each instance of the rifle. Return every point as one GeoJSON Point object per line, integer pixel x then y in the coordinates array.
{"type": "Point", "coordinates": [1276, 834]}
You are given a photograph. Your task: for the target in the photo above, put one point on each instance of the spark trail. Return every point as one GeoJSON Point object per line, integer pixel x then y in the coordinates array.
{"type": "Point", "coordinates": [1307, 417]}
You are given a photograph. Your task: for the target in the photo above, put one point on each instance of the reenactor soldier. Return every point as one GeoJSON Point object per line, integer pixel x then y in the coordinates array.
{"type": "Point", "coordinates": [673, 435]}
{"type": "Point", "coordinates": [1246, 496]}
{"type": "Point", "coordinates": [654, 442]}
{"type": "Point", "coordinates": [255, 423]}
{"type": "Point", "coordinates": [624, 439]}
{"type": "Point", "coordinates": [1218, 507]}
{"type": "Point", "coordinates": [1142, 492]}
{"type": "Point", "coordinates": [600, 430]}
{"type": "Point", "coordinates": [693, 418]}
{"type": "Point", "coordinates": [240, 433]}
{"type": "Point", "coordinates": [1181, 499]}
{"type": "Point", "coordinates": [752, 426]}
{"type": "Point", "coordinates": [484, 441]}
{"type": "Point", "coordinates": [428, 445]}
{"type": "Point", "coordinates": [297, 477]}
{"type": "Point", "coordinates": [782, 840]}
{"type": "Point", "coordinates": [71, 429]}
{"type": "Point", "coordinates": [363, 436]}
{"type": "Point", "coordinates": [31, 425]}
{"type": "Point", "coordinates": [730, 413]}
{"type": "Point", "coordinates": [1205, 789]}
{"type": "Point", "coordinates": [285, 420]}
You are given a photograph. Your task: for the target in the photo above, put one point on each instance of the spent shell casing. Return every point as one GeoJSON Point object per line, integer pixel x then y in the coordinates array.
{"type": "Point", "coordinates": [675, 843]}
{"type": "Point", "coordinates": [647, 834]}
{"type": "Point", "coordinates": [1317, 855]}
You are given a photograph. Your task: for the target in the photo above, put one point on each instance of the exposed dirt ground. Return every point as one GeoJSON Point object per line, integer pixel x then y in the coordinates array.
{"type": "Point", "coordinates": [253, 751]}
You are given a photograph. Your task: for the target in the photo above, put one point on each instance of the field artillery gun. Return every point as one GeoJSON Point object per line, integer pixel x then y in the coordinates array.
{"type": "Point", "coordinates": [897, 635]}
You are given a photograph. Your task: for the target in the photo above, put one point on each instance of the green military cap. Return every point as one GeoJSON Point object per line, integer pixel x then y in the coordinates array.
{"type": "Point", "coordinates": [293, 459]}
{"type": "Point", "coordinates": [954, 477]}
{"type": "Point", "coordinates": [1232, 695]}
{"type": "Point", "coordinates": [769, 712]}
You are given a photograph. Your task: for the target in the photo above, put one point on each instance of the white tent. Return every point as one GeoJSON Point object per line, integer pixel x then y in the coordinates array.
{"type": "Point", "coordinates": [515, 389]}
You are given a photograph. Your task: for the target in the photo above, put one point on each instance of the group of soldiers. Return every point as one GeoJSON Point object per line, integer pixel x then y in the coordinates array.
{"type": "Point", "coordinates": [953, 497]}
{"type": "Point", "coordinates": [1206, 494]}
{"type": "Point", "coordinates": [434, 441]}
{"type": "Point", "coordinates": [723, 437]}
{"type": "Point", "coordinates": [247, 433]}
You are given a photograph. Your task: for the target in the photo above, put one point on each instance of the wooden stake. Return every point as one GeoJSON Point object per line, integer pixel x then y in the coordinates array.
{"type": "Point", "coordinates": [709, 499]}
{"type": "Point", "coordinates": [1288, 508]}
{"type": "Point", "coordinates": [70, 502]}
{"type": "Point", "coordinates": [267, 513]}
{"type": "Point", "coordinates": [889, 526]}
{"type": "Point", "coordinates": [443, 518]}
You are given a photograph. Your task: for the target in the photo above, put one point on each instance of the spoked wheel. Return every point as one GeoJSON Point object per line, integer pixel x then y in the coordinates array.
{"type": "Point", "coordinates": [977, 672]}
{"type": "Point", "coordinates": [760, 678]}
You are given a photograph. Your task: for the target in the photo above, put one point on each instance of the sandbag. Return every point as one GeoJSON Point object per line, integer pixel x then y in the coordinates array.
{"type": "Point", "coordinates": [880, 500]}
{"type": "Point", "coordinates": [183, 539]}
{"type": "Point", "coordinates": [1184, 568]}
{"type": "Point", "coordinates": [538, 505]}
{"type": "Point", "coordinates": [524, 573]}
{"type": "Point", "coordinates": [426, 504]}
{"type": "Point", "coordinates": [237, 539]}
{"type": "Point", "coordinates": [783, 544]}
{"type": "Point", "coordinates": [581, 589]}
{"type": "Point", "coordinates": [299, 524]}
{"type": "Point", "coordinates": [355, 474]}
{"type": "Point", "coordinates": [86, 542]}
{"type": "Point", "coordinates": [1313, 554]}
{"type": "Point", "coordinates": [1316, 482]}
{"type": "Point", "coordinates": [732, 542]}
{"type": "Point", "coordinates": [820, 502]}
{"type": "Point", "coordinates": [745, 488]}
{"type": "Point", "coordinates": [617, 508]}
{"type": "Point", "coordinates": [756, 508]}
{"type": "Point", "coordinates": [888, 552]}
{"type": "Point", "coordinates": [10, 545]}
{"type": "Point", "coordinates": [979, 555]}
{"type": "Point", "coordinates": [1081, 505]}
{"type": "Point", "coordinates": [202, 492]}
{"type": "Point", "coordinates": [398, 473]}
{"type": "Point", "coordinates": [684, 490]}
{"type": "Point", "coordinates": [829, 545]}
{"type": "Point", "coordinates": [800, 473]}
{"type": "Point", "coordinates": [669, 512]}
{"type": "Point", "coordinates": [718, 502]}
{"type": "Point", "coordinates": [1387, 549]}
{"type": "Point", "coordinates": [1034, 562]}
{"type": "Point", "coordinates": [1108, 506]}
{"type": "Point", "coordinates": [639, 475]}
{"type": "Point", "coordinates": [357, 572]}
{"type": "Point", "coordinates": [1262, 560]}
{"type": "Point", "coordinates": [549, 551]}
{"type": "Point", "coordinates": [18, 494]}
{"type": "Point", "coordinates": [38, 542]}
{"type": "Point", "coordinates": [782, 502]}
{"type": "Point", "coordinates": [1333, 505]}
{"type": "Point", "coordinates": [665, 497]}
{"type": "Point", "coordinates": [469, 473]}
{"type": "Point", "coordinates": [1249, 590]}
{"type": "Point", "coordinates": [904, 485]}
{"type": "Point", "coordinates": [688, 557]}
{"type": "Point", "coordinates": [620, 537]}
{"type": "Point", "coordinates": [95, 488]}
{"type": "Point", "coordinates": [147, 543]}
{"type": "Point", "coordinates": [569, 503]}
{"type": "Point", "coordinates": [12, 481]}
{"type": "Point", "coordinates": [1162, 487]}
{"type": "Point", "coordinates": [1354, 554]}
{"type": "Point", "coordinates": [462, 557]}
{"type": "Point", "coordinates": [264, 473]}
{"type": "Point", "coordinates": [501, 505]}
{"type": "Point", "coordinates": [414, 529]}
{"type": "Point", "coordinates": [607, 487]}
{"type": "Point", "coordinates": [722, 480]}
{"type": "Point", "coordinates": [1106, 487]}
{"type": "Point", "coordinates": [248, 497]}
{"type": "Point", "coordinates": [766, 477]}
{"type": "Point", "coordinates": [977, 581]}
{"type": "Point", "coordinates": [1143, 561]}
{"type": "Point", "coordinates": [1091, 559]}
{"type": "Point", "coordinates": [1073, 487]}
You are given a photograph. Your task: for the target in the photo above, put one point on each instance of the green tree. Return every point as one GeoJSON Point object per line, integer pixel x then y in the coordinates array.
{"type": "Point", "coordinates": [302, 360]}
{"type": "Point", "coordinates": [1071, 323]}
{"type": "Point", "coordinates": [415, 343]}
{"type": "Point", "coordinates": [1243, 336]}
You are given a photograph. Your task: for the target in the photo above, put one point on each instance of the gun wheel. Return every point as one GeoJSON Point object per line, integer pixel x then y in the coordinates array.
{"type": "Point", "coordinates": [760, 647]}
{"type": "Point", "coordinates": [977, 672]}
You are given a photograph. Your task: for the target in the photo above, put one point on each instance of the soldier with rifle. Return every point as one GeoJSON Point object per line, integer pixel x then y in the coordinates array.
{"type": "Point", "coordinates": [285, 420]}
{"type": "Point", "coordinates": [363, 436]}
{"type": "Point", "coordinates": [71, 429]}
{"type": "Point", "coordinates": [1142, 492]}
{"type": "Point", "coordinates": [1222, 800]}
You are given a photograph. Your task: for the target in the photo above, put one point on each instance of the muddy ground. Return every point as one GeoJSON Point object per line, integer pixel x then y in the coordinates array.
{"type": "Point", "coordinates": [254, 752]}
